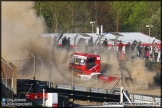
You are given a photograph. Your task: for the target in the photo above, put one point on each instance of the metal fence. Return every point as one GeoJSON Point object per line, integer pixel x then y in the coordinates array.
{"type": "Point", "coordinates": [24, 69]}
{"type": "Point", "coordinates": [33, 67]}
{"type": "Point", "coordinates": [139, 98]}
{"type": "Point", "coordinates": [8, 75]}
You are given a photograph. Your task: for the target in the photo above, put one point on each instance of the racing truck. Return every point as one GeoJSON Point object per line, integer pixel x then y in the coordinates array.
{"type": "Point", "coordinates": [87, 66]}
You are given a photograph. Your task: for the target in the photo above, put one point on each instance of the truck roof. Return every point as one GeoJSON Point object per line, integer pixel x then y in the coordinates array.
{"type": "Point", "coordinates": [87, 54]}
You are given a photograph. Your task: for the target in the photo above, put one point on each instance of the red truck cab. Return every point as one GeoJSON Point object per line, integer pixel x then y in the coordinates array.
{"type": "Point", "coordinates": [87, 66]}
{"type": "Point", "coordinates": [85, 63]}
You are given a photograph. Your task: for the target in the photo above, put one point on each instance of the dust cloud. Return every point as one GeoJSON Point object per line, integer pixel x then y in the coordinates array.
{"type": "Point", "coordinates": [142, 78]}
{"type": "Point", "coordinates": [21, 31]}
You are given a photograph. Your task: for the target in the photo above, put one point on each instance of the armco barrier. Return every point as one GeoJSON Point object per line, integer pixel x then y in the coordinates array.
{"type": "Point", "coordinates": [84, 93]}
{"type": "Point", "coordinates": [87, 96]}
{"type": "Point", "coordinates": [139, 98]}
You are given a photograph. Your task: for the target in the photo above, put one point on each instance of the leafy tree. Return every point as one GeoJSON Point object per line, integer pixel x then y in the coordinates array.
{"type": "Point", "coordinates": [75, 16]}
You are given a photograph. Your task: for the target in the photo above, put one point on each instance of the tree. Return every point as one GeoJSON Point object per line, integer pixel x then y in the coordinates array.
{"type": "Point", "coordinates": [75, 16]}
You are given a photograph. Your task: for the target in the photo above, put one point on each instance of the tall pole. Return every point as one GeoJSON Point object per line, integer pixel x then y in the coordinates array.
{"type": "Point", "coordinates": [49, 74]}
{"type": "Point", "coordinates": [96, 13]}
{"type": "Point", "coordinates": [41, 67]}
{"type": "Point", "coordinates": [72, 79]}
{"type": "Point", "coordinates": [117, 23]}
{"type": "Point", "coordinates": [149, 27]}
{"type": "Point", "coordinates": [34, 71]}
{"type": "Point", "coordinates": [92, 27]}
{"type": "Point", "coordinates": [121, 94]}
{"type": "Point", "coordinates": [43, 97]}
{"type": "Point", "coordinates": [149, 35]}
{"type": "Point", "coordinates": [92, 22]}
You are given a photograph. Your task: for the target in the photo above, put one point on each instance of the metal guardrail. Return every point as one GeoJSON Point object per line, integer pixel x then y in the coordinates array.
{"type": "Point", "coordinates": [135, 98]}
{"type": "Point", "coordinates": [83, 93]}
{"type": "Point", "coordinates": [139, 98]}
{"type": "Point", "coordinates": [61, 86]}
{"type": "Point", "coordinates": [81, 88]}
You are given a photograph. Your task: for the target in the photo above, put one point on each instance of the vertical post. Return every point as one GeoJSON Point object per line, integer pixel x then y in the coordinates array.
{"type": "Point", "coordinates": [6, 81]}
{"type": "Point", "coordinates": [21, 69]}
{"type": "Point", "coordinates": [117, 23]}
{"type": "Point", "coordinates": [97, 30]}
{"type": "Point", "coordinates": [15, 79]}
{"type": "Point", "coordinates": [149, 35]}
{"type": "Point", "coordinates": [149, 44]}
{"type": "Point", "coordinates": [153, 58]}
{"type": "Point", "coordinates": [41, 67]}
{"type": "Point", "coordinates": [50, 75]}
{"type": "Point", "coordinates": [92, 27]}
{"type": "Point", "coordinates": [121, 94]}
{"type": "Point", "coordinates": [12, 83]}
{"type": "Point", "coordinates": [92, 22]}
{"type": "Point", "coordinates": [153, 100]}
{"type": "Point", "coordinates": [43, 97]}
{"type": "Point", "coordinates": [101, 30]}
{"type": "Point", "coordinates": [34, 68]}
{"type": "Point", "coordinates": [72, 80]}
{"type": "Point", "coordinates": [122, 78]}
{"type": "Point", "coordinates": [34, 71]}
{"type": "Point", "coordinates": [75, 41]}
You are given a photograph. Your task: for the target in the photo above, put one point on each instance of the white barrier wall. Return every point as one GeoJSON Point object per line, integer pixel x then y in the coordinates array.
{"type": "Point", "coordinates": [52, 100]}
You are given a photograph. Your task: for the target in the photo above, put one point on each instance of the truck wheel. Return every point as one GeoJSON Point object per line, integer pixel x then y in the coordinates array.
{"type": "Point", "coordinates": [128, 81]}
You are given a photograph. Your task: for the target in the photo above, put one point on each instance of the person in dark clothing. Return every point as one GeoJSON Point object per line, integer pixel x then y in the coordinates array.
{"type": "Point", "coordinates": [64, 42]}
{"type": "Point", "coordinates": [105, 44]}
{"type": "Point", "coordinates": [127, 48]}
{"type": "Point", "coordinates": [68, 43]}
{"type": "Point", "coordinates": [90, 42]}
{"type": "Point", "coordinates": [140, 51]}
{"type": "Point", "coordinates": [134, 45]}
{"type": "Point", "coordinates": [90, 45]}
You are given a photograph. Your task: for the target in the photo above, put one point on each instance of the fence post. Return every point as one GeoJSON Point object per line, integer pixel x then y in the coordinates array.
{"type": "Point", "coordinates": [34, 71]}
{"type": "Point", "coordinates": [121, 94]}
{"type": "Point", "coordinates": [43, 97]}
{"type": "Point", "coordinates": [49, 73]}
{"type": "Point", "coordinates": [153, 100]}
{"type": "Point", "coordinates": [41, 67]}
{"type": "Point", "coordinates": [15, 79]}
{"type": "Point", "coordinates": [21, 69]}
{"type": "Point", "coordinates": [6, 81]}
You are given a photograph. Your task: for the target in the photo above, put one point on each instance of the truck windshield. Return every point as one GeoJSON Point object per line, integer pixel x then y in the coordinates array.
{"type": "Point", "coordinates": [77, 60]}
